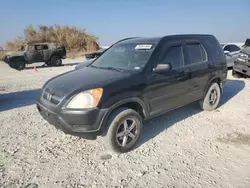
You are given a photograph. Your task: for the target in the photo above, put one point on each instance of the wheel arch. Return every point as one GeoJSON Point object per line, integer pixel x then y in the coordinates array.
{"type": "Point", "coordinates": [214, 80]}
{"type": "Point", "coordinates": [53, 55]}
{"type": "Point", "coordinates": [132, 103]}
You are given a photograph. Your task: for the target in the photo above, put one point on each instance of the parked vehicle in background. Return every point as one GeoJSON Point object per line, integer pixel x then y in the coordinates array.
{"type": "Point", "coordinates": [242, 64]}
{"type": "Point", "coordinates": [1, 48]}
{"type": "Point", "coordinates": [247, 43]}
{"type": "Point", "coordinates": [231, 51]}
{"type": "Point", "coordinates": [134, 80]}
{"type": "Point", "coordinates": [50, 53]}
{"type": "Point", "coordinates": [96, 54]}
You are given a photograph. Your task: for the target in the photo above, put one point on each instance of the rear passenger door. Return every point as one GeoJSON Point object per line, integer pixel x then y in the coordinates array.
{"type": "Point", "coordinates": [201, 68]}
{"type": "Point", "coordinates": [46, 53]}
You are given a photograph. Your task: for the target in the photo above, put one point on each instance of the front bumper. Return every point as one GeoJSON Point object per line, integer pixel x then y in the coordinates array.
{"type": "Point", "coordinates": [84, 123]}
{"type": "Point", "coordinates": [243, 68]}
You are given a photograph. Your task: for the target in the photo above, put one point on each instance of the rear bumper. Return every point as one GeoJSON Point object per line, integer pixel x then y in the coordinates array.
{"type": "Point", "coordinates": [242, 68]}
{"type": "Point", "coordinates": [85, 123]}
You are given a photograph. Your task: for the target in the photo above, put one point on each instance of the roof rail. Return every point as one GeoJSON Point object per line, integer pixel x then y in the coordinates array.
{"type": "Point", "coordinates": [122, 40]}
{"type": "Point", "coordinates": [126, 39]}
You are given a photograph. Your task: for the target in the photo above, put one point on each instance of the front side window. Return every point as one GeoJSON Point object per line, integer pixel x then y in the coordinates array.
{"type": "Point", "coordinates": [196, 53]}
{"type": "Point", "coordinates": [31, 48]}
{"type": "Point", "coordinates": [125, 56]}
{"type": "Point", "coordinates": [45, 47]}
{"type": "Point", "coordinates": [173, 56]}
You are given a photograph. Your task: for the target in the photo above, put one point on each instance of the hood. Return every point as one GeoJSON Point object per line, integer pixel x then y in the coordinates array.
{"type": "Point", "coordinates": [83, 79]}
{"type": "Point", "coordinates": [21, 53]}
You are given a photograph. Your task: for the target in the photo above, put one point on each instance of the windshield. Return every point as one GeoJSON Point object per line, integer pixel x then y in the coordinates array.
{"type": "Point", "coordinates": [126, 56]}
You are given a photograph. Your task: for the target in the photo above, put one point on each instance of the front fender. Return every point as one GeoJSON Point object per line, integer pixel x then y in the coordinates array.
{"type": "Point", "coordinates": [103, 124]}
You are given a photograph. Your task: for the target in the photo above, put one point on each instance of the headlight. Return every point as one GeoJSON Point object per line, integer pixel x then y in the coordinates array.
{"type": "Point", "coordinates": [86, 99]}
{"type": "Point", "coordinates": [242, 55]}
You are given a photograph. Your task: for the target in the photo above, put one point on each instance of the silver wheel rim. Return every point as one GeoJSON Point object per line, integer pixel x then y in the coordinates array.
{"type": "Point", "coordinates": [213, 97]}
{"type": "Point", "coordinates": [127, 133]}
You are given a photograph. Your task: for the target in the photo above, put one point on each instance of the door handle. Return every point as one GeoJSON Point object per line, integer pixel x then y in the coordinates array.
{"type": "Point", "coordinates": [183, 75]}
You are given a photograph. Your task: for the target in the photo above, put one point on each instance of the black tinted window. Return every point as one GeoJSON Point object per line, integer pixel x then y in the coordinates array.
{"type": "Point", "coordinates": [231, 48]}
{"type": "Point", "coordinates": [195, 53]}
{"type": "Point", "coordinates": [45, 47]}
{"type": "Point", "coordinates": [212, 47]}
{"type": "Point", "coordinates": [174, 56]}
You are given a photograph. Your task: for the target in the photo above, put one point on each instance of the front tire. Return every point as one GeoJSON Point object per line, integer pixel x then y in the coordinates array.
{"type": "Point", "coordinates": [124, 129]}
{"type": "Point", "coordinates": [18, 64]}
{"type": "Point", "coordinates": [236, 74]}
{"type": "Point", "coordinates": [212, 97]}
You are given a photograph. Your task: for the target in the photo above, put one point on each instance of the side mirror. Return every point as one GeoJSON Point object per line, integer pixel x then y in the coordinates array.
{"type": "Point", "coordinates": [162, 67]}
{"type": "Point", "coordinates": [226, 52]}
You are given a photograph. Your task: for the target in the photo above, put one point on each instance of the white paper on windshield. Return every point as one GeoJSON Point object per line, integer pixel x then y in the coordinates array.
{"type": "Point", "coordinates": [143, 46]}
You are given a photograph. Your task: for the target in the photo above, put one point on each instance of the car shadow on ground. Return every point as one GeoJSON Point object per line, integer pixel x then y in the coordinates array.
{"type": "Point", "coordinates": [155, 126]}
{"type": "Point", "coordinates": [42, 66]}
{"type": "Point", "coordinates": [18, 99]}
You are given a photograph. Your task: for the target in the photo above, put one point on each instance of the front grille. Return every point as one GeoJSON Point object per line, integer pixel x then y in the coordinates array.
{"type": "Point", "coordinates": [50, 96]}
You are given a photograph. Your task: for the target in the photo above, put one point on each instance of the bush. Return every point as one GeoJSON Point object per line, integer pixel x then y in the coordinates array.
{"type": "Point", "coordinates": [73, 38]}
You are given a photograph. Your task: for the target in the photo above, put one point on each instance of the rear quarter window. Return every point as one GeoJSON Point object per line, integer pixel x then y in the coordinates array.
{"type": "Point", "coordinates": [213, 48]}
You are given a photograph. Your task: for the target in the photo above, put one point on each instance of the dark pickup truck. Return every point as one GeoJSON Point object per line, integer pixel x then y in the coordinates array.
{"type": "Point", "coordinates": [49, 53]}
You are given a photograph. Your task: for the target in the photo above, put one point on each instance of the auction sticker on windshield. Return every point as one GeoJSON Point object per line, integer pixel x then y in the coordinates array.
{"type": "Point", "coordinates": [143, 46]}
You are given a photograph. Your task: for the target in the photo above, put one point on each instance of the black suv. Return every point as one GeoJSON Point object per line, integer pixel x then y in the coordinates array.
{"type": "Point", "coordinates": [134, 80]}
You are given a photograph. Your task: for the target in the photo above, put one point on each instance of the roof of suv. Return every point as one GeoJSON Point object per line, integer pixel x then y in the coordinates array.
{"type": "Point", "coordinates": [157, 39]}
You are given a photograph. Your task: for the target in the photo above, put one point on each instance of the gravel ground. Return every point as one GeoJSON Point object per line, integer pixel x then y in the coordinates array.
{"type": "Point", "coordinates": [184, 148]}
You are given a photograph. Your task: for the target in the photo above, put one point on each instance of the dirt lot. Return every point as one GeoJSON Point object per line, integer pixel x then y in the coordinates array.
{"type": "Point", "coordinates": [184, 148]}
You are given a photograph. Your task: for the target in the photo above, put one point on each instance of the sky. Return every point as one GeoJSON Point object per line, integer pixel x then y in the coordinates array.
{"type": "Point", "coordinates": [112, 20]}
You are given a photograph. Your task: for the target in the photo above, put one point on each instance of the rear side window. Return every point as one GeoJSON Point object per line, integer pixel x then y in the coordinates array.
{"type": "Point", "coordinates": [212, 46]}
{"type": "Point", "coordinates": [173, 55]}
{"type": "Point", "coordinates": [196, 53]}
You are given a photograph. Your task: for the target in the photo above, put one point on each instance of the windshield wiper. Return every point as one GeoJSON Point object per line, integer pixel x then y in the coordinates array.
{"type": "Point", "coordinates": [112, 68]}
{"type": "Point", "coordinates": [109, 68]}
{"type": "Point", "coordinates": [94, 66]}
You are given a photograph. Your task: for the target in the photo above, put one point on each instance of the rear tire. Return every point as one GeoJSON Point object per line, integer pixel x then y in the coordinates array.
{"type": "Point", "coordinates": [236, 74]}
{"type": "Point", "coordinates": [212, 97]}
{"type": "Point", "coordinates": [124, 130]}
{"type": "Point", "coordinates": [56, 61]}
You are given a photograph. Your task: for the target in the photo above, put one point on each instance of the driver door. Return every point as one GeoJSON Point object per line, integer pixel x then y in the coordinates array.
{"type": "Point", "coordinates": [169, 89]}
{"type": "Point", "coordinates": [34, 54]}
{"type": "Point", "coordinates": [30, 53]}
